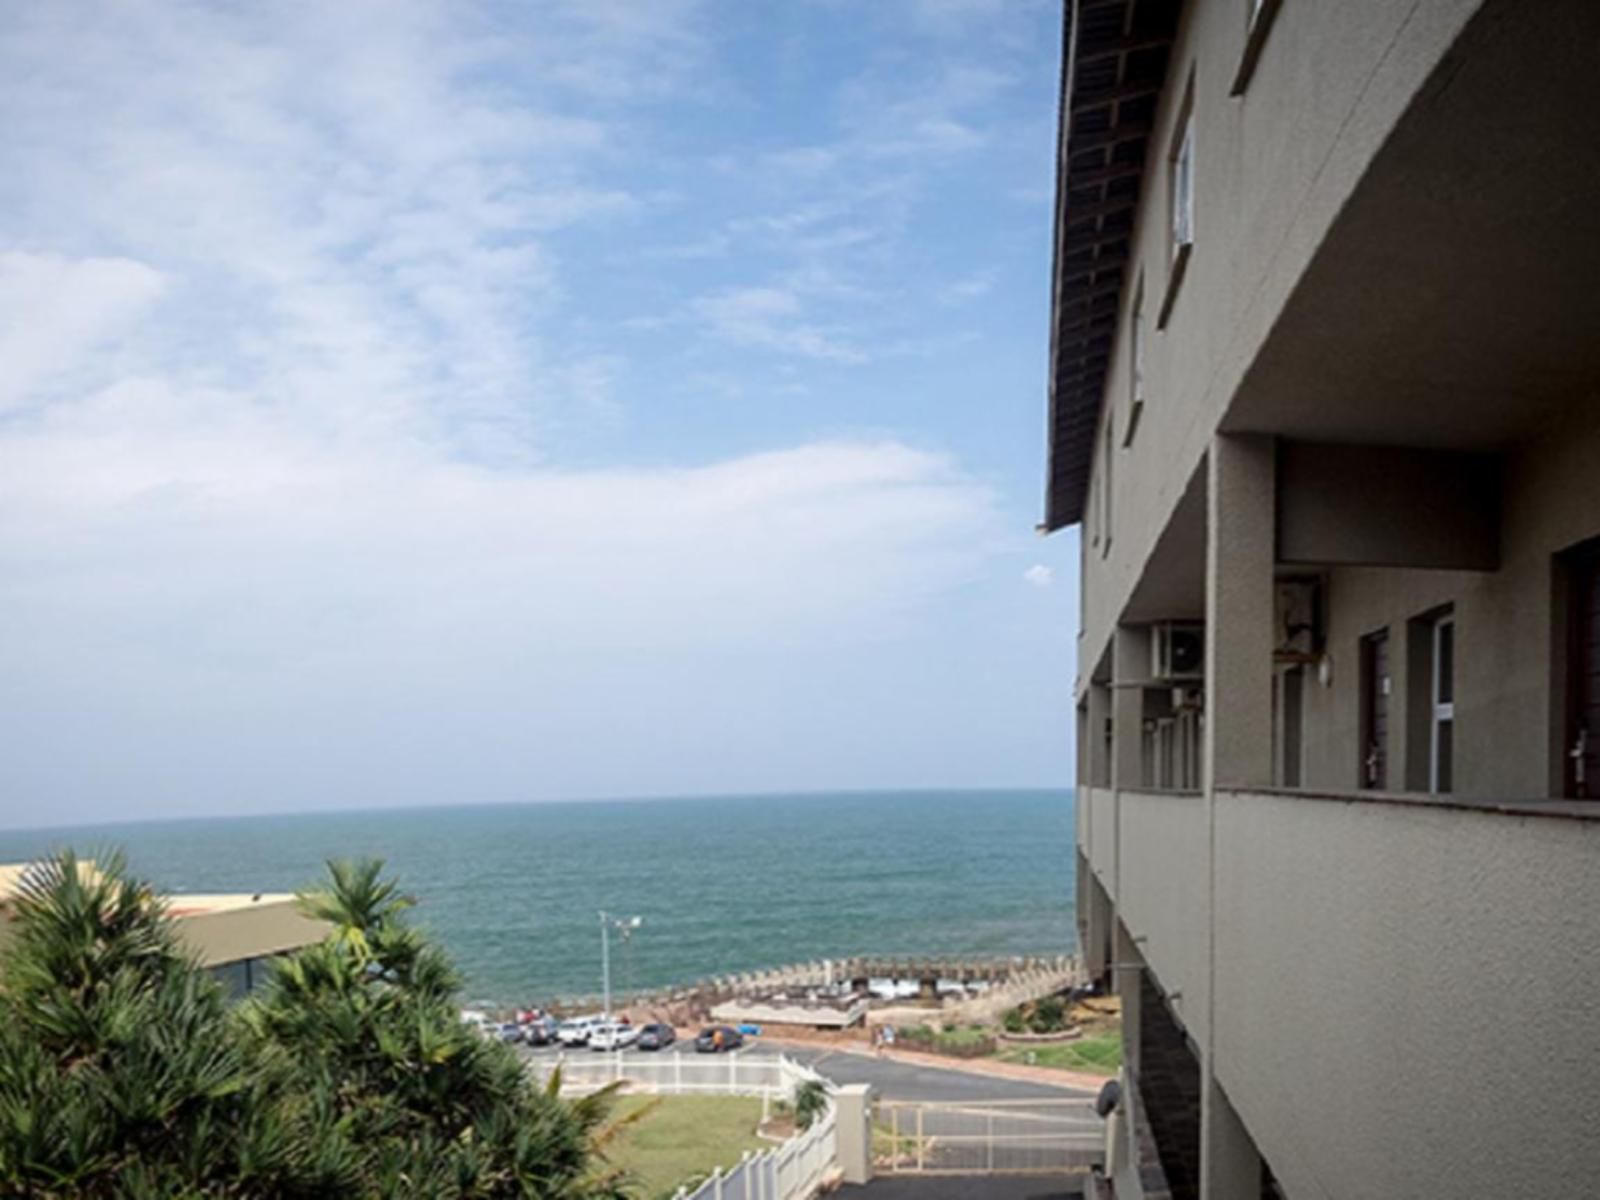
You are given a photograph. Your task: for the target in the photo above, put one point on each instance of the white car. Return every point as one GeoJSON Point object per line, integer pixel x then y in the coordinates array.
{"type": "Point", "coordinates": [576, 1032]}
{"type": "Point", "coordinates": [478, 1022]}
{"type": "Point", "coordinates": [613, 1037]}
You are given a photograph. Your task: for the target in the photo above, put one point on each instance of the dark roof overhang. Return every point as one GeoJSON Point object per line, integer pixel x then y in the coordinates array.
{"type": "Point", "coordinates": [1114, 65]}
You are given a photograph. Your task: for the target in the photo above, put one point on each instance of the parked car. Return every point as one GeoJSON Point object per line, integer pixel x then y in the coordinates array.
{"type": "Point", "coordinates": [540, 1031]}
{"type": "Point", "coordinates": [613, 1036]}
{"type": "Point", "coordinates": [576, 1031]}
{"type": "Point", "coordinates": [656, 1036]}
{"type": "Point", "coordinates": [478, 1022]}
{"type": "Point", "coordinates": [716, 1038]}
{"type": "Point", "coordinates": [509, 1031]}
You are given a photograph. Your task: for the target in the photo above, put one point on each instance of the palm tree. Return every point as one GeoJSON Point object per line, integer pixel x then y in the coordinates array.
{"type": "Point", "coordinates": [124, 1075]}
{"type": "Point", "coordinates": [117, 1073]}
{"type": "Point", "coordinates": [810, 1102]}
{"type": "Point", "coordinates": [363, 1042]}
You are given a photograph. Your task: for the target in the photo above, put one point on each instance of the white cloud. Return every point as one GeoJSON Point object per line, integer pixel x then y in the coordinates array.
{"type": "Point", "coordinates": [773, 318]}
{"type": "Point", "coordinates": [972, 287]}
{"type": "Point", "coordinates": [1039, 575]}
{"type": "Point", "coordinates": [163, 542]}
{"type": "Point", "coordinates": [286, 339]}
{"type": "Point", "coordinates": [347, 213]}
{"type": "Point", "coordinates": [54, 311]}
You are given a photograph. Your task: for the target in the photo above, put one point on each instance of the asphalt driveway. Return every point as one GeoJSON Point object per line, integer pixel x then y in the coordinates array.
{"type": "Point", "coordinates": [967, 1187]}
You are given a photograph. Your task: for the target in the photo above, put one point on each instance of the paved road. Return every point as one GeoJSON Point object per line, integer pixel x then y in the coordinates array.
{"type": "Point", "coordinates": [967, 1187]}
{"type": "Point", "coordinates": [890, 1079]}
{"type": "Point", "coordinates": [907, 1081]}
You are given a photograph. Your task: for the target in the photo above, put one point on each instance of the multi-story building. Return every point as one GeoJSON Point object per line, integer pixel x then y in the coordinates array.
{"type": "Point", "coordinates": [233, 936]}
{"type": "Point", "coordinates": [1325, 402]}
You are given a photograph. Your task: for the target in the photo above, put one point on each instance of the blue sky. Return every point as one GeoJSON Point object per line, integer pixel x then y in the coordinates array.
{"type": "Point", "coordinates": [437, 402]}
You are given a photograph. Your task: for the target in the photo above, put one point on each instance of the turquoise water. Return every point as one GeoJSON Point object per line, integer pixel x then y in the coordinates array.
{"type": "Point", "coordinates": [724, 884]}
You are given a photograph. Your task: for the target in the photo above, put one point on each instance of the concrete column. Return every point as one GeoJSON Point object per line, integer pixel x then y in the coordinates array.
{"type": "Point", "coordinates": [1230, 1166]}
{"type": "Point", "coordinates": [1130, 970]}
{"type": "Point", "coordinates": [1130, 665]}
{"type": "Point", "coordinates": [1096, 750]}
{"type": "Point", "coordinates": [1241, 517]}
{"type": "Point", "coordinates": [854, 1103]}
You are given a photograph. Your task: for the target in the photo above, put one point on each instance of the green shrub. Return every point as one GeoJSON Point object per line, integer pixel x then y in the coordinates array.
{"type": "Point", "coordinates": [124, 1076]}
{"type": "Point", "coordinates": [1049, 1015]}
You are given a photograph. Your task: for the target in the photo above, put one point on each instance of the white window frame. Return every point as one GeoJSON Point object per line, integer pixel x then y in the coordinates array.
{"type": "Point", "coordinates": [1441, 712]}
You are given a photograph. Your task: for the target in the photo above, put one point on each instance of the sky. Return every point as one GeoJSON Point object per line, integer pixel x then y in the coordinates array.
{"type": "Point", "coordinates": [441, 402]}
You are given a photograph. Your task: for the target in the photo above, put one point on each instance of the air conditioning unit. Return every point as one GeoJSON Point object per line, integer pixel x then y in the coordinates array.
{"type": "Point", "coordinates": [1177, 650]}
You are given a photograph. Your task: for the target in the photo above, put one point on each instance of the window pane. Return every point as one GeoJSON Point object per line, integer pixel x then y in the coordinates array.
{"type": "Point", "coordinates": [1447, 662]}
{"type": "Point", "coordinates": [1445, 781]}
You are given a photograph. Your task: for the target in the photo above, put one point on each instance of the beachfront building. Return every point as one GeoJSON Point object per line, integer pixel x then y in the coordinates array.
{"type": "Point", "coordinates": [233, 936]}
{"type": "Point", "coordinates": [1325, 403]}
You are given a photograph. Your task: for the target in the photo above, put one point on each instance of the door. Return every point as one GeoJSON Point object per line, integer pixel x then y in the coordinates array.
{"type": "Point", "coordinates": [1583, 674]}
{"type": "Point", "coordinates": [1293, 701]}
{"type": "Point", "coordinates": [1375, 710]}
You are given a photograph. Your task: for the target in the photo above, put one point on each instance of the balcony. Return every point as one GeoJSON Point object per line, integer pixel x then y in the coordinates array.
{"type": "Point", "coordinates": [1363, 957]}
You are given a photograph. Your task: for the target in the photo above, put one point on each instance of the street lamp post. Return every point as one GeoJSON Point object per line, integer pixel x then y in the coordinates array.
{"type": "Point", "coordinates": [624, 926]}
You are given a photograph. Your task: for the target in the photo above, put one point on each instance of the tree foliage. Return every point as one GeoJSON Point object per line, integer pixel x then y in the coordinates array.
{"type": "Point", "coordinates": [810, 1102]}
{"type": "Point", "coordinates": [124, 1074]}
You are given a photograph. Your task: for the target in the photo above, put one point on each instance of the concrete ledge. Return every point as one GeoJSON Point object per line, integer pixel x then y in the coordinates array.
{"type": "Point", "coordinates": [1039, 1039]}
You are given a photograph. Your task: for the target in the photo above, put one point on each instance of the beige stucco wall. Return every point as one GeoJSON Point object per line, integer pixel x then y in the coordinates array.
{"type": "Point", "coordinates": [1273, 168]}
{"type": "Point", "coordinates": [1162, 892]}
{"type": "Point", "coordinates": [1508, 696]}
{"type": "Point", "coordinates": [1409, 986]}
{"type": "Point", "coordinates": [1102, 847]}
{"type": "Point", "coordinates": [1407, 996]}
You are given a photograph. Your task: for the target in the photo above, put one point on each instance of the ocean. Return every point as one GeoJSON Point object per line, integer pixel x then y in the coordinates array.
{"type": "Point", "coordinates": [723, 884]}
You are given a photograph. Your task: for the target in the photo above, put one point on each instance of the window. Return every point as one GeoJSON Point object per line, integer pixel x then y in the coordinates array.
{"type": "Point", "coordinates": [1374, 771]}
{"type": "Point", "coordinates": [1135, 362]}
{"type": "Point", "coordinates": [1183, 186]}
{"type": "Point", "coordinates": [1257, 23]}
{"type": "Point", "coordinates": [1442, 718]}
{"type": "Point", "coordinates": [1180, 191]}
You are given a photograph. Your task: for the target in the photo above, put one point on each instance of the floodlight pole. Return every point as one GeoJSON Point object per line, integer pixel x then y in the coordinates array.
{"type": "Point", "coordinates": [605, 963]}
{"type": "Point", "coordinates": [626, 925]}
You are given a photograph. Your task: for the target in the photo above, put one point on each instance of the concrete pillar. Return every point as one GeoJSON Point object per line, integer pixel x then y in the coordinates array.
{"type": "Point", "coordinates": [1096, 750]}
{"type": "Point", "coordinates": [1240, 551]}
{"type": "Point", "coordinates": [1130, 666]}
{"type": "Point", "coordinates": [1241, 519]}
{"type": "Point", "coordinates": [1230, 1166]}
{"type": "Point", "coordinates": [854, 1104]}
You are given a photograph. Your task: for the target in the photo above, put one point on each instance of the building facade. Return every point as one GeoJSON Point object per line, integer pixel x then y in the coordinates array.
{"type": "Point", "coordinates": [1325, 402]}
{"type": "Point", "coordinates": [234, 936]}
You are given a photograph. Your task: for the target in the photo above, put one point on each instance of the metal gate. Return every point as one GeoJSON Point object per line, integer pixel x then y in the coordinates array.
{"type": "Point", "coordinates": [1001, 1137]}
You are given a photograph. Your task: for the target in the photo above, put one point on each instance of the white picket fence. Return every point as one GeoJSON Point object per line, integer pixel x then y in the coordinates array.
{"type": "Point", "coordinates": [790, 1171]}
{"type": "Point", "coordinates": [675, 1074]}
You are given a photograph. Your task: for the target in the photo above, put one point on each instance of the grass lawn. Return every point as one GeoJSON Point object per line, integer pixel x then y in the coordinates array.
{"type": "Point", "coordinates": [1096, 1053]}
{"type": "Point", "coordinates": [684, 1138]}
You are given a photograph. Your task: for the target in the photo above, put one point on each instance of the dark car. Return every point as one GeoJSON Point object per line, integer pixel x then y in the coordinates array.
{"type": "Point", "coordinates": [656, 1037]}
{"type": "Point", "coordinates": [540, 1031]}
{"type": "Point", "coordinates": [717, 1038]}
